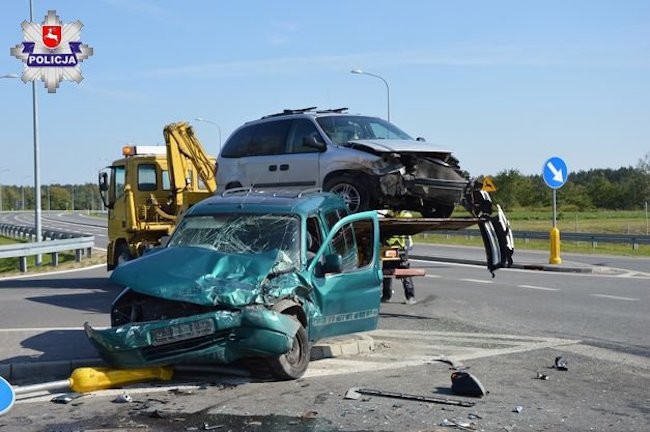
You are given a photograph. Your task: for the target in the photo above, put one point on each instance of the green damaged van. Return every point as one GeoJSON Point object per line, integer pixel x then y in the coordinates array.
{"type": "Point", "coordinates": [247, 275]}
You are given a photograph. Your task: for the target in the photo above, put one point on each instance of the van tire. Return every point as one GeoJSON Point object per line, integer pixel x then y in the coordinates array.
{"type": "Point", "coordinates": [293, 364]}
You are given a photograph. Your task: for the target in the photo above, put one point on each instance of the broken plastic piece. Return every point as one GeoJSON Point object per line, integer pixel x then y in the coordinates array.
{"type": "Point", "coordinates": [66, 398]}
{"type": "Point", "coordinates": [355, 393]}
{"type": "Point", "coordinates": [561, 363]}
{"type": "Point", "coordinates": [123, 398]}
{"type": "Point", "coordinates": [459, 425]}
{"type": "Point", "coordinates": [465, 384]}
{"type": "Point", "coordinates": [518, 409]}
{"type": "Point", "coordinates": [541, 376]}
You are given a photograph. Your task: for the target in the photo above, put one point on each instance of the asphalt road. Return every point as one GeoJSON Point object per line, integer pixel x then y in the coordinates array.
{"type": "Point", "coordinates": [507, 329]}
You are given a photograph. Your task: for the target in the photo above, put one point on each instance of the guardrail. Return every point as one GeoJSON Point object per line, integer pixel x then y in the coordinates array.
{"type": "Point", "coordinates": [24, 232]}
{"type": "Point", "coordinates": [632, 239]}
{"type": "Point", "coordinates": [55, 242]}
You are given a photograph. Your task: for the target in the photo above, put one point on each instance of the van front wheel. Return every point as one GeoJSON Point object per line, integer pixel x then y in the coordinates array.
{"type": "Point", "coordinates": [292, 364]}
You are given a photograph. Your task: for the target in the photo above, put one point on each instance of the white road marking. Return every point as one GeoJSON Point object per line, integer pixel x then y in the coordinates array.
{"type": "Point", "coordinates": [46, 329]}
{"type": "Point", "coordinates": [408, 348]}
{"type": "Point", "coordinates": [432, 276]}
{"type": "Point", "coordinates": [482, 281]}
{"type": "Point", "coordinates": [538, 288]}
{"type": "Point", "coordinates": [615, 297]}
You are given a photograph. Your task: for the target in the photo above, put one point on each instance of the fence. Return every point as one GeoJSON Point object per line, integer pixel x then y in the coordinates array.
{"type": "Point", "coordinates": [632, 239]}
{"type": "Point", "coordinates": [56, 242]}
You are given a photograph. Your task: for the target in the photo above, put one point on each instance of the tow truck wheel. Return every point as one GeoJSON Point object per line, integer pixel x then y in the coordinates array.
{"type": "Point", "coordinates": [293, 364]}
{"type": "Point", "coordinates": [352, 190]}
{"type": "Point", "coordinates": [122, 254]}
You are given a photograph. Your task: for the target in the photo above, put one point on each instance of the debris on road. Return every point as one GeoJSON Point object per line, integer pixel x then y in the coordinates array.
{"type": "Point", "coordinates": [309, 414]}
{"type": "Point", "coordinates": [355, 394]}
{"type": "Point", "coordinates": [123, 398]}
{"type": "Point", "coordinates": [465, 384]}
{"type": "Point", "coordinates": [561, 363]}
{"type": "Point", "coordinates": [66, 398]}
{"type": "Point", "coordinates": [453, 365]}
{"type": "Point", "coordinates": [460, 425]}
{"type": "Point", "coordinates": [518, 409]}
{"type": "Point", "coordinates": [541, 376]}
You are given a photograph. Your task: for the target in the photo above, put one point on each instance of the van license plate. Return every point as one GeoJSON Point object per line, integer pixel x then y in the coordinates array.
{"type": "Point", "coordinates": [184, 331]}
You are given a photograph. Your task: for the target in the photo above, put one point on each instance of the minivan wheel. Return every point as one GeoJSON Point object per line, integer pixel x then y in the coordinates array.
{"type": "Point", "coordinates": [293, 364]}
{"type": "Point", "coordinates": [352, 190]}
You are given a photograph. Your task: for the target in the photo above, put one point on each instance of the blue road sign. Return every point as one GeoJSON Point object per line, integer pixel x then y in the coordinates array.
{"type": "Point", "coordinates": [7, 396]}
{"type": "Point", "coordinates": [555, 172]}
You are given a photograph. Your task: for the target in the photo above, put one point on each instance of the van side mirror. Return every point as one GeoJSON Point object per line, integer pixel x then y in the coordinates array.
{"type": "Point", "coordinates": [333, 264]}
{"type": "Point", "coordinates": [312, 142]}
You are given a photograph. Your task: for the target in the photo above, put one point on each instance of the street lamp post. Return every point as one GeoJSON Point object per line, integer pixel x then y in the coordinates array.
{"type": "Point", "coordinates": [37, 167]}
{"type": "Point", "coordinates": [9, 75]}
{"type": "Point", "coordinates": [2, 171]}
{"type": "Point", "coordinates": [201, 119]}
{"type": "Point", "coordinates": [360, 72]}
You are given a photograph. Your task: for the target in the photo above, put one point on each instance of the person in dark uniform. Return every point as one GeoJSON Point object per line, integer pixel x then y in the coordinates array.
{"type": "Point", "coordinates": [405, 244]}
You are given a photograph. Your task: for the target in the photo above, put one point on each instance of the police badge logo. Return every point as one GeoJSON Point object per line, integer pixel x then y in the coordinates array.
{"type": "Point", "coordinates": [51, 36]}
{"type": "Point", "coordinates": [51, 51]}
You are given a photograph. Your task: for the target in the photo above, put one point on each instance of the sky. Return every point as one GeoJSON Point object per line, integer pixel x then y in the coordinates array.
{"type": "Point", "coordinates": [504, 84]}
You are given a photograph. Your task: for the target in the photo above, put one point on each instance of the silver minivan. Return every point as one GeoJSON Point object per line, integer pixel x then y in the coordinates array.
{"type": "Point", "coordinates": [369, 161]}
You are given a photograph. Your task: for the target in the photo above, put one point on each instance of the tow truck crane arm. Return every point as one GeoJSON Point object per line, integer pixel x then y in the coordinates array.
{"type": "Point", "coordinates": [184, 151]}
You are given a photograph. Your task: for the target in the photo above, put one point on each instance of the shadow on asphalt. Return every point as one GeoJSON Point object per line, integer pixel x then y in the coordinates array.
{"type": "Point", "coordinates": [70, 283]}
{"type": "Point", "coordinates": [55, 345]}
{"type": "Point", "coordinates": [97, 302]}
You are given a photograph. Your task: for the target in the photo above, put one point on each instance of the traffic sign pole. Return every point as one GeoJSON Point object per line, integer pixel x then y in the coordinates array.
{"type": "Point", "coordinates": [555, 175]}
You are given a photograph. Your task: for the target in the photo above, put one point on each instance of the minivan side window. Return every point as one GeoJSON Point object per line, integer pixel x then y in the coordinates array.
{"type": "Point", "coordinates": [261, 139]}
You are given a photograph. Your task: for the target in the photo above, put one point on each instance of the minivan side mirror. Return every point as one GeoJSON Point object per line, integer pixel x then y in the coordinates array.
{"type": "Point", "coordinates": [312, 142]}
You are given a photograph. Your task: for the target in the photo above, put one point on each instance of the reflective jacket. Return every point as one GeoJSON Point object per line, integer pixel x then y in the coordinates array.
{"type": "Point", "coordinates": [404, 242]}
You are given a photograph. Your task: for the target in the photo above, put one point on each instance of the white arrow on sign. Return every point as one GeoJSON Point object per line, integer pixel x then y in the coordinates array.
{"type": "Point", "coordinates": [557, 173]}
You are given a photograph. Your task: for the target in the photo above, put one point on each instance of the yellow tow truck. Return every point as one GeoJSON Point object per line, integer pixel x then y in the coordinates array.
{"type": "Point", "coordinates": [147, 189]}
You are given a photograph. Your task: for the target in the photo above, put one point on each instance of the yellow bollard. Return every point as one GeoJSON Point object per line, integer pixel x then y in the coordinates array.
{"type": "Point", "coordinates": [89, 379]}
{"type": "Point", "coordinates": [554, 236]}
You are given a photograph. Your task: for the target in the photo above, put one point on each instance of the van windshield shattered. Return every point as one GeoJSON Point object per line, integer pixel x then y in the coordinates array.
{"type": "Point", "coordinates": [243, 234]}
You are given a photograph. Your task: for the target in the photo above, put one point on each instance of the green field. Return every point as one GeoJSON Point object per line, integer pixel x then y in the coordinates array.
{"type": "Point", "coordinates": [604, 221]}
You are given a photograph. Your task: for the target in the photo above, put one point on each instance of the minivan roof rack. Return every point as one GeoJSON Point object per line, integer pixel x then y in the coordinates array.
{"type": "Point", "coordinates": [333, 110]}
{"type": "Point", "coordinates": [291, 111]}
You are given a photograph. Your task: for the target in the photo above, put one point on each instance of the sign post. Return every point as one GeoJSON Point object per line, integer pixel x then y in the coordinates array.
{"type": "Point", "coordinates": [7, 396]}
{"type": "Point", "coordinates": [555, 175]}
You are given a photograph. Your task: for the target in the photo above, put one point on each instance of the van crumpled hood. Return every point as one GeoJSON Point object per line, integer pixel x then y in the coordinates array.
{"type": "Point", "coordinates": [197, 275]}
{"type": "Point", "coordinates": [397, 146]}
